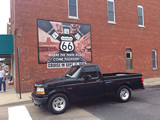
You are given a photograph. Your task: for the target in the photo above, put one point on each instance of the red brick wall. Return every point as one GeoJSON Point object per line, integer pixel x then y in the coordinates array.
{"type": "Point", "coordinates": [109, 41]}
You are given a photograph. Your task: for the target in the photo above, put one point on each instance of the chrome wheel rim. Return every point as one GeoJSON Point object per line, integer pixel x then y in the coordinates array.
{"type": "Point", "coordinates": [124, 94]}
{"type": "Point", "coordinates": [59, 104]}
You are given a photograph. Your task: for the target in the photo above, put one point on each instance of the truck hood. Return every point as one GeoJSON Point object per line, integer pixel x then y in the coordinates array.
{"type": "Point", "coordinates": [52, 80]}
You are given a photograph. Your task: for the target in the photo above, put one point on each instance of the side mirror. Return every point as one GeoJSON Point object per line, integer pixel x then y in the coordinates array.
{"type": "Point", "coordinates": [87, 77]}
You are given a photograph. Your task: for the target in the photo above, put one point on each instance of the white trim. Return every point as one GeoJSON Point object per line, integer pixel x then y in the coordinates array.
{"type": "Point", "coordinates": [70, 17]}
{"type": "Point", "coordinates": [73, 17]}
{"type": "Point", "coordinates": [140, 6]}
{"type": "Point", "coordinates": [142, 26]}
{"type": "Point", "coordinates": [155, 60]}
{"type": "Point", "coordinates": [110, 0]}
{"type": "Point", "coordinates": [112, 22]}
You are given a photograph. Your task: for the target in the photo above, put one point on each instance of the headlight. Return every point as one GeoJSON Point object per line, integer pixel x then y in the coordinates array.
{"type": "Point", "coordinates": [40, 91]}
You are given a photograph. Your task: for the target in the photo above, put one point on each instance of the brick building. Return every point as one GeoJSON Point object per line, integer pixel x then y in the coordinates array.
{"type": "Point", "coordinates": [120, 36]}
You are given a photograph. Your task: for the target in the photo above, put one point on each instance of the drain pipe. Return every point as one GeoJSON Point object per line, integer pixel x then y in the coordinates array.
{"type": "Point", "coordinates": [19, 73]}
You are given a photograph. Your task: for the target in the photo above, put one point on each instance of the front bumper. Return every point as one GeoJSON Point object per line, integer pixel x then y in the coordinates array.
{"type": "Point", "coordinates": [39, 101]}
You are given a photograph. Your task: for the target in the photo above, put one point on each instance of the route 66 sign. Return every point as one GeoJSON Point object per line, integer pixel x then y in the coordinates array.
{"type": "Point", "coordinates": [67, 44]}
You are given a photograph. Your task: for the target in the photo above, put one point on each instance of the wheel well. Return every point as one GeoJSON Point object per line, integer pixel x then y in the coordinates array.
{"type": "Point", "coordinates": [58, 93]}
{"type": "Point", "coordinates": [128, 85]}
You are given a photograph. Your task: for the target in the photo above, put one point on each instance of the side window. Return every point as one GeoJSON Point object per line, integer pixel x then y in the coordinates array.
{"type": "Point", "coordinates": [154, 59]}
{"type": "Point", "coordinates": [140, 16]}
{"type": "Point", "coordinates": [111, 11]}
{"type": "Point", "coordinates": [91, 71]}
{"type": "Point", "coordinates": [73, 9]}
{"type": "Point", "coordinates": [128, 59]}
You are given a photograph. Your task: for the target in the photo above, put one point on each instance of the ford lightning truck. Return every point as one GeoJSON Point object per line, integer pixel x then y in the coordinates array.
{"type": "Point", "coordinates": [84, 81]}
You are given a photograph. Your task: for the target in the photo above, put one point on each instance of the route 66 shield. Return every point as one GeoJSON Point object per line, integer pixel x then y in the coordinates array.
{"type": "Point", "coordinates": [67, 46]}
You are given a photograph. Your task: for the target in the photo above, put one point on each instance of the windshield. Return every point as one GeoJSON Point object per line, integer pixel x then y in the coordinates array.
{"type": "Point", "coordinates": [73, 72]}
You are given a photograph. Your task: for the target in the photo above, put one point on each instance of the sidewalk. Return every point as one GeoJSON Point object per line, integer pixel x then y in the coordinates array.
{"type": "Point", "coordinates": [152, 81]}
{"type": "Point", "coordinates": [10, 96]}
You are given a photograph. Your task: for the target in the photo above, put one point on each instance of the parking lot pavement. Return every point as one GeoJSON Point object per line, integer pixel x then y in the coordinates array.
{"type": "Point", "coordinates": [28, 111]}
{"type": "Point", "coordinates": [144, 105]}
{"type": "Point", "coordinates": [10, 99]}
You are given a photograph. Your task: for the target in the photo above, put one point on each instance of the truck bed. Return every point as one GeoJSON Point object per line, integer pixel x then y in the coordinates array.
{"type": "Point", "coordinates": [120, 74]}
{"type": "Point", "coordinates": [113, 80]}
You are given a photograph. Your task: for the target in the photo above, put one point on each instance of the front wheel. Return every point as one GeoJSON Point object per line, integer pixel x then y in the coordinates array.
{"type": "Point", "coordinates": [58, 103]}
{"type": "Point", "coordinates": [123, 94]}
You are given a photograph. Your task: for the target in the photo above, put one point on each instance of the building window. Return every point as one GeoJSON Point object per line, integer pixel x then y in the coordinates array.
{"type": "Point", "coordinates": [73, 9]}
{"type": "Point", "coordinates": [154, 59]}
{"type": "Point", "coordinates": [128, 59]}
{"type": "Point", "coordinates": [140, 16]}
{"type": "Point", "coordinates": [111, 11]}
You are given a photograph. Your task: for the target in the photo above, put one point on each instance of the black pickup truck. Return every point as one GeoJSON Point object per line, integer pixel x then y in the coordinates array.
{"type": "Point", "coordinates": [82, 82]}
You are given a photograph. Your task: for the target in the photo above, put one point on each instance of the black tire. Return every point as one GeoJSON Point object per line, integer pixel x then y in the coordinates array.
{"type": "Point", "coordinates": [123, 94]}
{"type": "Point", "coordinates": [58, 103]}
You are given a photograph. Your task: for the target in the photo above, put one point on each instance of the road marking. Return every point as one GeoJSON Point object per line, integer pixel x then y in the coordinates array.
{"type": "Point", "coordinates": [18, 113]}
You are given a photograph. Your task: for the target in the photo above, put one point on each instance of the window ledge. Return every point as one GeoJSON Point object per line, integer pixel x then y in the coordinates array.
{"type": "Point", "coordinates": [111, 22]}
{"type": "Point", "coordinates": [141, 26]}
{"type": "Point", "coordinates": [155, 69]}
{"type": "Point", "coordinates": [74, 18]}
{"type": "Point", "coordinates": [129, 69]}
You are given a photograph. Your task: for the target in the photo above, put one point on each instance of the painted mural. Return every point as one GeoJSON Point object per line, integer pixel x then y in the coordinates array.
{"type": "Point", "coordinates": [63, 44]}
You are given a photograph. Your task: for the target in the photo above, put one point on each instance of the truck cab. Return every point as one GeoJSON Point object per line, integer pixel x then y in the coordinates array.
{"type": "Point", "coordinates": [84, 81]}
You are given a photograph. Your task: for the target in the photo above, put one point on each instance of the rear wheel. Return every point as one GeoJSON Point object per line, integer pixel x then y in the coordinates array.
{"type": "Point", "coordinates": [123, 94]}
{"type": "Point", "coordinates": [58, 103]}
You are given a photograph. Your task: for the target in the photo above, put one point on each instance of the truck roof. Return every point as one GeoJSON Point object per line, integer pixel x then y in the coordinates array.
{"type": "Point", "coordinates": [90, 64]}
{"type": "Point", "coordinates": [87, 65]}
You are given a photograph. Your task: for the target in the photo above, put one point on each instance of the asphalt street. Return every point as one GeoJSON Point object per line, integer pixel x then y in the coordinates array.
{"type": "Point", "coordinates": [43, 113]}
{"type": "Point", "coordinates": [144, 105]}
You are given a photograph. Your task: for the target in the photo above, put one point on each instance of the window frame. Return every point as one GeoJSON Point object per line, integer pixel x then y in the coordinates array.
{"type": "Point", "coordinates": [129, 50]}
{"type": "Point", "coordinates": [140, 6]}
{"type": "Point", "coordinates": [112, 22]}
{"type": "Point", "coordinates": [73, 17]}
{"type": "Point", "coordinates": [95, 71]}
{"type": "Point", "coordinates": [155, 51]}
{"type": "Point", "coordinates": [130, 55]}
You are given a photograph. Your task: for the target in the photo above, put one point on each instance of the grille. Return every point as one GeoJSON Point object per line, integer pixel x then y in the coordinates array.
{"type": "Point", "coordinates": [35, 89]}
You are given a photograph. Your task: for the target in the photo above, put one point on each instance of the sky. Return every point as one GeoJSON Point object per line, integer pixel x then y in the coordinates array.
{"type": "Point", "coordinates": [4, 15]}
